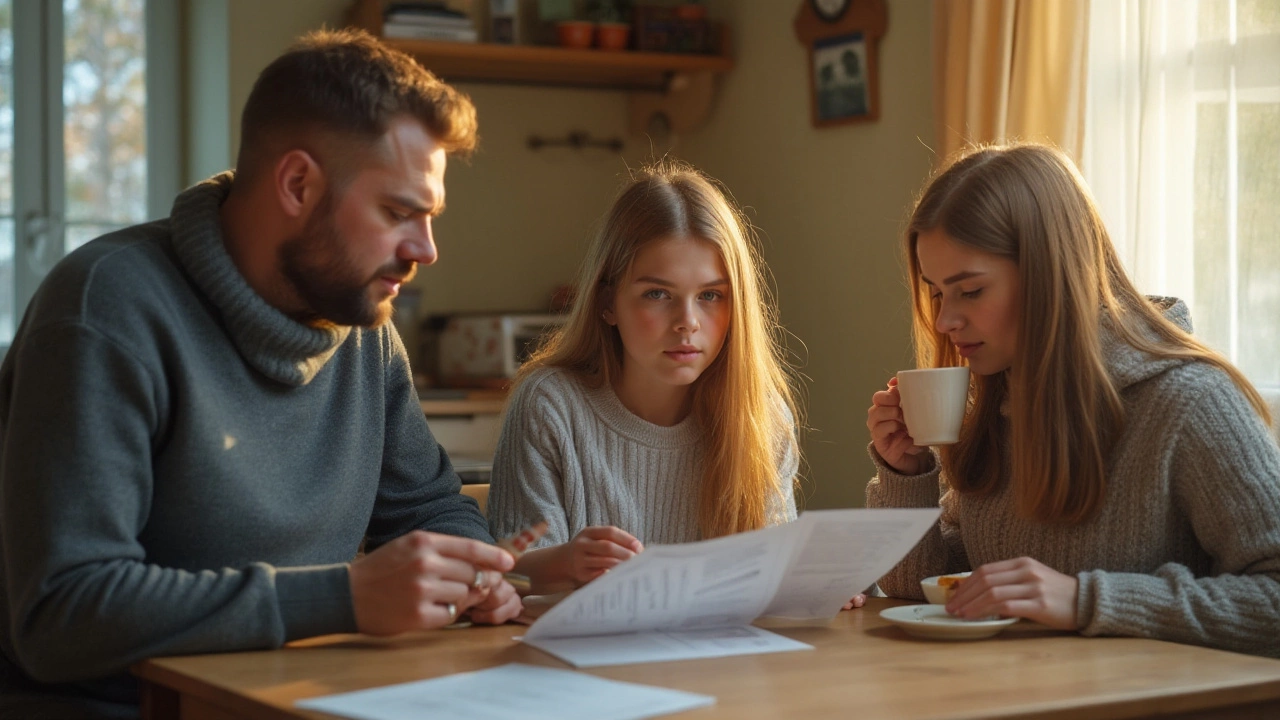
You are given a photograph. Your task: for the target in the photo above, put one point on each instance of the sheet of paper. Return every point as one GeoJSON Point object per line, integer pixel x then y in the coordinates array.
{"type": "Point", "coordinates": [805, 570]}
{"type": "Point", "coordinates": [664, 646]}
{"type": "Point", "coordinates": [723, 582]}
{"type": "Point", "coordinates": [840, 553]}
{"type": "Point", "coordinates": [528, 692]}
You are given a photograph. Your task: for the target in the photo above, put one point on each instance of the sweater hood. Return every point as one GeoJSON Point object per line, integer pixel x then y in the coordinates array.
{"type": "Point", "coordinates": [1129, 365]}
{"type": "Point", "coordinates": [271, 342]}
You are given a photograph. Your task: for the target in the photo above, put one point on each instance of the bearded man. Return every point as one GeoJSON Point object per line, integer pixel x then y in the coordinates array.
{"type": "Point", "coordinates": [202, 418]}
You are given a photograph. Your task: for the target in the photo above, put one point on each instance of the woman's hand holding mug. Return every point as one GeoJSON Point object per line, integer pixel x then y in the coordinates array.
{"type": "Point", "coordinates": [889, 432]}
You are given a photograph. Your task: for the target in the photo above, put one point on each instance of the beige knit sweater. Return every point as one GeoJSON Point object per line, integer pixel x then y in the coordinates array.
{"type": "Point", "coordinates": [1187, 544]}
{"type": "Point", "coordinates": [575, 456]}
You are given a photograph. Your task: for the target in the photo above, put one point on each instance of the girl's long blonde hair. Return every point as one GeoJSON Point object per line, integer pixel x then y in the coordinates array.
{"type": "Point", "coordinates": [741, 400]}
{"type": "Point", "coordinates": [1027, 203]}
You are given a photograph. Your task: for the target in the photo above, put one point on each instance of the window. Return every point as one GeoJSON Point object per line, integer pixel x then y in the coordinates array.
{"type": "Point", "coordinates": [1182, 150]}
{"type": "Point", "coordinates": [88, 109]}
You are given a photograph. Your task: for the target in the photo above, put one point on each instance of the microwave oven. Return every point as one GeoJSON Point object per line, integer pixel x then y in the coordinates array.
{"type": "Point", "coordinates": [490, 346]}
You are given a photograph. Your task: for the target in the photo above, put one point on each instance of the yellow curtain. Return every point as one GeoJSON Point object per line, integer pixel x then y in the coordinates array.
{"type": "Point", "coordinates": [1009, 70]}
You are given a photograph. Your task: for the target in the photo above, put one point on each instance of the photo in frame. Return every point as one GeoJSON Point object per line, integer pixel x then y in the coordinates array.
{"type": "Point", "coordinates": [843, 64]}
{"type": "Point", "coordinates": [840, 77]}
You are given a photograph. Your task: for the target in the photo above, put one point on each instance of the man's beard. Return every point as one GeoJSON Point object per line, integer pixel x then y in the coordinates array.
{"type": "Point", "coordinates": [316, 263]}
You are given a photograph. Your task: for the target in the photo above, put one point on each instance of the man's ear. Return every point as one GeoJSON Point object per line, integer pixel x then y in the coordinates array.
{"type": "Point", "coordinates": [299, 183]}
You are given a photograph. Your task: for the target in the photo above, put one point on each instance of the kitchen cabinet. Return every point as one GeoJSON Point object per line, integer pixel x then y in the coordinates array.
{"type": "Point", "coordinates": [467, 426]}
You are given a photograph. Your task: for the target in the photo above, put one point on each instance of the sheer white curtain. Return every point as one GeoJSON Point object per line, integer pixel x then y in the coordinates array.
{"type": "Point", "coordinates": [1182, 151]}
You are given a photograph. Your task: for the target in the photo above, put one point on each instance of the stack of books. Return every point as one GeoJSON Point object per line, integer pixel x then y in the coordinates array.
{"type": "Point", "coordinates": [427, 21]}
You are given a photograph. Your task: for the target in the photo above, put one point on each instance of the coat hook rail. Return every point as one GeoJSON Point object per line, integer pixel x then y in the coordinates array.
{"type": "Point", "coordinates": [577, 140]}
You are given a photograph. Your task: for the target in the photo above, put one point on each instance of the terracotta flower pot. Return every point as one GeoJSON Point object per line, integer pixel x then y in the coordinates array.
{"type": "Point", "coordinates": [575, 33]}
{"type": "Point", "coordinates": [612, 36]}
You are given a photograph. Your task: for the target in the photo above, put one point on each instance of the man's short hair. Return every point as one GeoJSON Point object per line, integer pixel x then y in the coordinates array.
{"type": "Point", "coordinates": [344, 87]}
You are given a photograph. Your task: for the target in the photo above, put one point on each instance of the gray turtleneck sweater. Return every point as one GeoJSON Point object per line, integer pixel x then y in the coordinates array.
{"type": "Point", "coordinates": [574, 456]}
{"type": "Point", "coordinates": [1186, 546]}
{"type": "Point", "coordinates": [184, 469]}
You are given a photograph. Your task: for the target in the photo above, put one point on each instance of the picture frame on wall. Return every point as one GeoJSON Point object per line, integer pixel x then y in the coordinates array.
{"type": "Point", "coordinates": [841, 80]}
{"type": "Point", "coordinates": [842, 39]}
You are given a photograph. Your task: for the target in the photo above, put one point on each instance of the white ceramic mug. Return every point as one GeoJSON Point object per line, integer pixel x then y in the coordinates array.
{"type": "Point", "coordinates": [933, 403]}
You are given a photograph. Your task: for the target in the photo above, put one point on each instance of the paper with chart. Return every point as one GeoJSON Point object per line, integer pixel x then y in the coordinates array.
{"type": "Point", "coordinates": [528, 692]}
{"type": "Point", "coordinates": [805, 570]}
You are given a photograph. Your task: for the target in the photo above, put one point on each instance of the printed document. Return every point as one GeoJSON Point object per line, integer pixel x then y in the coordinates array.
{"type": "Point", "coordinates": [528, 692]}
{"type": "Point", "coordinates": [805, 570]}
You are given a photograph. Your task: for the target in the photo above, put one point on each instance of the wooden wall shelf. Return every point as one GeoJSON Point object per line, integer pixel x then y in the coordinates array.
{"type": "Point", "coordinates": [678, 86]}
{"type": "Point", "coordinates": [539, 65]}
{"type": "Point", "coordinates": [546, 65]}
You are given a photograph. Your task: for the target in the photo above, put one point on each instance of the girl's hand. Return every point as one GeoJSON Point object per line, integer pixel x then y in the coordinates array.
{"type": "Point", "coordinates": [1022, 588]}
{"type": "Point", "coordinates": [858, 601]}
{"type": "Point", "coordinates": [889, 432]}
{"type": "Point", "coordinates": [597, 549]}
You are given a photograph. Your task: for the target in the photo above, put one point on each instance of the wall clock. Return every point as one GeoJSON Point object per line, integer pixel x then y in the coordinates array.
{"type": "Point", "coordinates": [829, 10]}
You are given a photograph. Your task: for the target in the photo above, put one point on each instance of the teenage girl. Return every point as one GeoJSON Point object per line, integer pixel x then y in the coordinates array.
{"type": "Point", "coordinates": [662, 411]}
{"type": "Point", "coordinates": [1113, 475]}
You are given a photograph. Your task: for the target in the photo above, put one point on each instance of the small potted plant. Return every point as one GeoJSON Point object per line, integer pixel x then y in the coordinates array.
{"type": "Point", "coordinates": [613, 26]}
{"type": "Point", "coordinates": [575, 33]}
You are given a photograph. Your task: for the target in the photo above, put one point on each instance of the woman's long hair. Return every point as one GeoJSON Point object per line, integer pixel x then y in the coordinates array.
{"type": "Point", "coordinates": [741, 401]}
{"type": "Point", "coordinates": [1028, 203]}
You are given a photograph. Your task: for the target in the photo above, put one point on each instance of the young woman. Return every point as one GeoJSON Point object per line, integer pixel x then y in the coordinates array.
{"type": "Point", "coordinates": [661, 412]}
{"type": "Point", "coordinates": [1113, 475]}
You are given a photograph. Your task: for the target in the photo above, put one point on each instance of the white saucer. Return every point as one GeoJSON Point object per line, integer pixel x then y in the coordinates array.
{"type": "Point", "coordinates": [933, 622]}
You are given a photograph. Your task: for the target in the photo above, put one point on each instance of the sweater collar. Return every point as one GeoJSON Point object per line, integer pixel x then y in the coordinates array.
{"type": "Point", "coordinates": [610, 409]}
{"type": "Point", "coordinates": [1129, 365]}
{"type": "Point", "coordinates": [271, 342]}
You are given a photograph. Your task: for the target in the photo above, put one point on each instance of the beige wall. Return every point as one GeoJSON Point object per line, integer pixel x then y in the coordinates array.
{"type": "Point", "coordinates": [830, 203]}
{"type": "Point", "coordinates": [518, 219]}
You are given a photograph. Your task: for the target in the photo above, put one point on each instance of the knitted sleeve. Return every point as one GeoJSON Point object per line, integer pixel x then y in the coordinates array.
{"type": "Point", "coordinates": [1225, 475]}
{"type": "Point", "coordinates": [527, 483]}
{"type": "Point", "coordinates": [935, 554]}
{"type": "Point", "coordinates": [782, 508]}
{"type": "Point", "coordinates": [83, 600]}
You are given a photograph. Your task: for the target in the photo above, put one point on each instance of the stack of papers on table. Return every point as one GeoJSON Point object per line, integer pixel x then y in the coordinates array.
{"type": "Point", "coordinates": [527, 692]}
{"type": "Point", "coordinates": [677, 602]}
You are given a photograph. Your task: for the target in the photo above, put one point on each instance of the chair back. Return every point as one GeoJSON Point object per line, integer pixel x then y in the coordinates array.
{"type": "Point", "coordinates": [479, 491]}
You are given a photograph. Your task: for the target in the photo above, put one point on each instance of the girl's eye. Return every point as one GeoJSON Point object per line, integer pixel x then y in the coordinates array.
{"type": "Point", "coordinates": [710, 295]}
{"type": "Point", "coordinates": [971, 294]}
{"type": "Point", "coordinates": [655, 294]}
{"type": "Point", "coordinates": [395, 216]}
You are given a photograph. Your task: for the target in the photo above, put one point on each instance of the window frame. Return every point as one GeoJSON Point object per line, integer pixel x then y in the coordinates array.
{"type": "Point", "coordinates": [39, 192]}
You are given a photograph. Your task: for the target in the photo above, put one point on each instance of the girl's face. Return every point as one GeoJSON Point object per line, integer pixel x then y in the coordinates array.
{"type": "Point", "coordinates": [976, 296]}
{"type": "Point", "coordinates": [672, 311]}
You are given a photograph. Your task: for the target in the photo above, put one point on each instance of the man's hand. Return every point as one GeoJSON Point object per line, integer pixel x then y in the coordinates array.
{"type": "Point", "coordinates": [424, 580]}
{"type": "Point", "coordinates": [501, 603]}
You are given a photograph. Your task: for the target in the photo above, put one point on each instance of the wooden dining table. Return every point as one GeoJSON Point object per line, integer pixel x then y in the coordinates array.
{"type": "Point", "coordinates": [862, 667]}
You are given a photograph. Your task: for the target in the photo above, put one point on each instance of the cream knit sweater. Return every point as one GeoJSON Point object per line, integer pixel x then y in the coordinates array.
{"type": "Point", "coordinates": [1187, 544]}
{"type": "Point", "coordinates": [575, 456]}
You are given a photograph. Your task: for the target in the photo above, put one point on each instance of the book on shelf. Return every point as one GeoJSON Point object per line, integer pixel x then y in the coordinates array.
{"type": "Point", "coordinates": [406, 31]}
{"type": "Point", "coordinates": [462, 22]}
